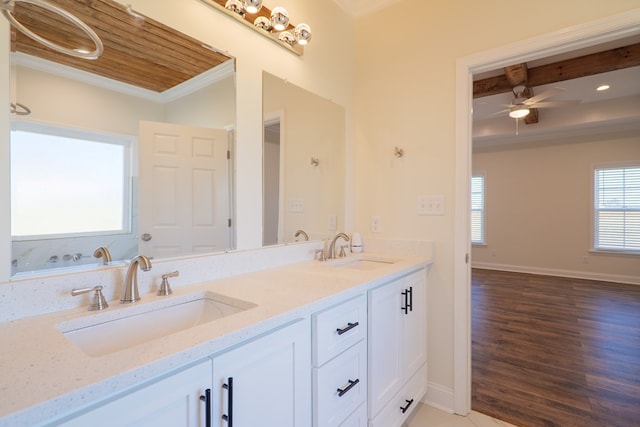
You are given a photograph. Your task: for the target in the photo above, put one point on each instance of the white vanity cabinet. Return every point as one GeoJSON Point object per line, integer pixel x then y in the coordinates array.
{"type": "Point", "coordinates": [265, 382]}
{"type": "Point", "coordinates": [176, 400]}
{"type": "Point", "coordinates": [397, 348]}
{"type": "Point", "coordinates": [340, 364]}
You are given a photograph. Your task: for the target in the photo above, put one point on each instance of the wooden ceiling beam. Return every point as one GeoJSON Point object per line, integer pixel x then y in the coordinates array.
{"type": "Point", "coordinates": [516, 75]}
{"type": "Point", "coordinates": [588, 65]}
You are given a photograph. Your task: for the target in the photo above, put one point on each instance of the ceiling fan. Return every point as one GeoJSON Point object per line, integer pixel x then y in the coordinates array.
{"type": "Point", "coordinates": [521, 106]}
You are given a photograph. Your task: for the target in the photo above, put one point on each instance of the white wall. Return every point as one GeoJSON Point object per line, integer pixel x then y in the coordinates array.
{"type": "Point", "coordinates": [405, 95]}
{"type": "Point", "coordinates": [539, 209]}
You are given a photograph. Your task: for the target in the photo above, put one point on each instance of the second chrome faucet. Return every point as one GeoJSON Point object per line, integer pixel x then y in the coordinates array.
{"type": "Point", "coordinates": [130, 292]}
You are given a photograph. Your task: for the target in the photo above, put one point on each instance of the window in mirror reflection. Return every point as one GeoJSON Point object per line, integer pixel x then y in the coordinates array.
{"type": "Point", "coordinates": [66, 185]}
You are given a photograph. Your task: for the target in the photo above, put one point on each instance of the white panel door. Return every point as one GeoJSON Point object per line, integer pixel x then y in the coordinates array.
{"type": "Point", "coordinates": [184, 189]}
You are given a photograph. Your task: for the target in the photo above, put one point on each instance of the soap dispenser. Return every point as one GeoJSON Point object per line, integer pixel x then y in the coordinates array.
{"type": "Point", "coordinates": [356, 242]}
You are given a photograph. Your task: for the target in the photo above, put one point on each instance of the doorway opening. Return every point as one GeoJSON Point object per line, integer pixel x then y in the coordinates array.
{"type": "Point", "coordinates": [579, 37]}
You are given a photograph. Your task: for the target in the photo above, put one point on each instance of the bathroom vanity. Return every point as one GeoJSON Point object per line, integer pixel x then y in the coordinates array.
{"type": "Point", "coordinates": [337, 343]}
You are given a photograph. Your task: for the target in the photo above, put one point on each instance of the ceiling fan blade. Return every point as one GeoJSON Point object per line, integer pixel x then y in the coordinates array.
{"type": "Point", "coordinates": [544, 95]}
{"type": "Point", "coordinates": [501, 111]}
{"type": "Point", "coordinates": [551, 104]}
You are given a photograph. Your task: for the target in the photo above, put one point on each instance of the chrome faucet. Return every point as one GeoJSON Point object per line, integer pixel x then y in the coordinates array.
{"type": "Point", "coordinates": [130, 293]}
{"type": "Point", "coordinates": [303, 233]}
{"type": "Point", "coordinates": [332, 246]}
{"type": "Point", "coordinates": [103, 252]}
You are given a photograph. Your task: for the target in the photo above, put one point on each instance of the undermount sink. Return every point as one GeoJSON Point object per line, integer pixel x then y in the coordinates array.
{"type": "Point", "coordinates": [363, 263]}
{"type": "Point", "coordinates": [109, 332]}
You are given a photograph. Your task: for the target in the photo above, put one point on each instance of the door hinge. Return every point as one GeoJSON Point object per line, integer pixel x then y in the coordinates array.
{"type": "Point", "coordinates": [228, 154]}
{"type": "Point", "coordinates": [466, 258]}
{"type": "Point", "coordinates": [229, 222]}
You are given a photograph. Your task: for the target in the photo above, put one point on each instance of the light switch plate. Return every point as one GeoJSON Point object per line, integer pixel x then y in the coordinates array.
{"type": "Point", "coordinates": [296, 205]}
{"type": "Point", "coordinates": [430, 205]}
{"type": "Point", "coordinates": [332, 223]}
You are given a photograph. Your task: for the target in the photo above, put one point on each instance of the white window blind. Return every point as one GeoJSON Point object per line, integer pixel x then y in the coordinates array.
{"type": "Point", "coordinates": [617, 208]}
{"type": "Point", "coordinates": [477, 209]}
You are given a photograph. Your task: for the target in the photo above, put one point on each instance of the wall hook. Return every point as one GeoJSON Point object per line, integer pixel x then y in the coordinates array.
{"type": "Point", "coordinates": [399, 152]}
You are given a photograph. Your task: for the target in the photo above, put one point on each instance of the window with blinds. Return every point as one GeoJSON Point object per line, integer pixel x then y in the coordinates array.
{"type": "Point", "coordinates": [477, 209]}
{"type": "Point", "coordinates": [617, 209]}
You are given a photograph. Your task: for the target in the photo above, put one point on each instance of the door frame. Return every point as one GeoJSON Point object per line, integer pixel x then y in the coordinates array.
{"type": "Point", "coordinates": [565, 40]}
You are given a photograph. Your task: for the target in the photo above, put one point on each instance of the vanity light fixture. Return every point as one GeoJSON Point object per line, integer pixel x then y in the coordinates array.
{"type": "Point", "coordinates": [274, 24]}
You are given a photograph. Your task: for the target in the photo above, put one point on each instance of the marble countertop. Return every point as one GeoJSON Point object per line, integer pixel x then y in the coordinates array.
{"type": "Point", "coordinates": [45, 375]}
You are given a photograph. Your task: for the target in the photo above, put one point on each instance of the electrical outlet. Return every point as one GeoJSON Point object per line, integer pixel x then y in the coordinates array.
{"type": "Point", "coordinates": [376, 224]}
{"type": "Point", "coordinates": [332, 223]}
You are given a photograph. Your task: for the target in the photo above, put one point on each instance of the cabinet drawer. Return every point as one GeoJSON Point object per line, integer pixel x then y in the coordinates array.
{"type": "Point", "coordinates": [357, 419]}
{"type": "Point", "coordinates": [340, 386]}
{"type": "Point", "coordinates": [338, 328]}
{"type": "Point", "coordinates": [413, 391]}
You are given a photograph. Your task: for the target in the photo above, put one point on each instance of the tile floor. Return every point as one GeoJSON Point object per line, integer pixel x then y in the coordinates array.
{"type": "Point", "coordinates": [428, 416]}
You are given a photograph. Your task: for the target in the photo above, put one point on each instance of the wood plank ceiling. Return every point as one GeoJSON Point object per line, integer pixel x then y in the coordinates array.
{"type": "Point", "coordinates": [137, 50]}
{"type": "Point", "coordinates": [583, 66]}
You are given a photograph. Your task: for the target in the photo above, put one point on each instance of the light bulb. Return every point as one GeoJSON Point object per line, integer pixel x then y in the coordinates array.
{"type": "Point", "coordinates": [287, 38]}
{"type": "Point", "coordinates": [302, 33]}
{"type": "Point", "coordinates": [235, 6]}
{"type": "Point", "coordinates": [279, 18]}
{"type": "Point", "coordinates": [263, 23]}
{"type": "Point", "coordinates": [252, 6]}
{"type": "Point", "coordinates": [519, 112]}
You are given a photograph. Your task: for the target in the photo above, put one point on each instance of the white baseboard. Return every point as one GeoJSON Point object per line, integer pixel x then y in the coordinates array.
{"type": "Point", "coordinates": [439, 397]}
{"type": "Point", "coordinates": [560, 273]}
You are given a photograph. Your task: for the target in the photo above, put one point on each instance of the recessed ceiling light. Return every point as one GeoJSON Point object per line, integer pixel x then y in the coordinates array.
{"type": "Point", "coordinates": [602, 87]}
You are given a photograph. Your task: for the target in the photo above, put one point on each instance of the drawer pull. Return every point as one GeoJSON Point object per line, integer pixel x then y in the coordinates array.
{"type": "Point", "coordinates": [404, 409]}
{"type": "Point", "coordinates": [228, 417]}
{"type": "Point", "coordinates": [207, 400]}
{"type": "Point", "coordinates": [352, 384]}
{"type": "Point", "coordinates": [405, 308]}
{"type": "Point", "coordinates": [348, 328]}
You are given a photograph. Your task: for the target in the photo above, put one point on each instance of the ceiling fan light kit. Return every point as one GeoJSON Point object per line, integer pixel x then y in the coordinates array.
{"type": "Point", "coordinates": [519, 111]}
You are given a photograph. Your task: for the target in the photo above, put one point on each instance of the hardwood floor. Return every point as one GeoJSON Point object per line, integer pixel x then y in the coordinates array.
{"type": "Point", "coordinates": [549, 351]}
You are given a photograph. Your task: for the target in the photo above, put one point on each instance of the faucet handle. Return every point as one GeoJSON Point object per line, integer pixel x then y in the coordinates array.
{"type": "Point", "coordinates": [98, 301]}
{"type": "Point", "coordinates": [165, 288]}
{"type": "Point", "coordinates": [319, 255]}
{"type": "Point", "coordinates": [342, 252]}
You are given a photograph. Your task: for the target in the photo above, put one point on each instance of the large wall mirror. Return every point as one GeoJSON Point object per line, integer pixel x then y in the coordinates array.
{"type": "Point", "coordinates": [128, 151]}
{"type": "Point", "coordinates": [303, 164]}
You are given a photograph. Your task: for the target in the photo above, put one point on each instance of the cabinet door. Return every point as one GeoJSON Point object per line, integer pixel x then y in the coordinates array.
{"type": "Point", "coordinates": [170, 402]}
{"type": "Point", "coordinates": [266, 382]}
{"type": "Point", "coordinates": [415, 323]}
{"type": "Point", "coordinates": [385, 342]}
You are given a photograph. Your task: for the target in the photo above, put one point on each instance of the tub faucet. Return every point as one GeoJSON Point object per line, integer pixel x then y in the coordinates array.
{"type": "Point", "coordinates": [332, 246]}
{"type": "Point", "coordinates": [301, 233]}
{"type": "Point", "coordinates": [130, 293]}
{"type": "Point", "coordinates": [103, 252]}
